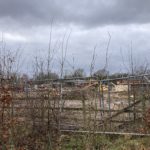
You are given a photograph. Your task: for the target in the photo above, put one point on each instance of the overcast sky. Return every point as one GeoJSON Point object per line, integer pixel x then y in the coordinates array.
{"type": "Point", "coordinates": [26, 24]}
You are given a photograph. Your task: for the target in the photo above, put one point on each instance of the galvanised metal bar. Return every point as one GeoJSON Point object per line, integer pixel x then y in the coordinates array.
{"type": "Point", "coordinates": [107, 133]}
{"type": "Point", "coordinates": [109, 101]}
{"type": "Point", "coordinates": [129, 101]}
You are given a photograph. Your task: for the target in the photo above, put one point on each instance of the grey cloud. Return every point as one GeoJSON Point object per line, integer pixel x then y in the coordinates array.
{"type": "Point", "coordinates": [85, 12]}
{"type": "Point", "coordinates": [30, 19]}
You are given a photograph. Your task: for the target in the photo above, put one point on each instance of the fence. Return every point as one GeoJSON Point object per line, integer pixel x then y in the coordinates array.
{"type": "Point", "coordinates": [111, 106]}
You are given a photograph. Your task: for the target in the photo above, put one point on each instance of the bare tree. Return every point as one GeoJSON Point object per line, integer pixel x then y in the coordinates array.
{"type": "Point", "coordinates": [64, 48]}
{"type": "Point", "coordinates": [131, 61]}
{"type": "Point", "coordinates": [123, 61]}
{"type": "Point", "coordinates": [9, 60]}
{"type": "Point", "coordinates": [51, 49]}
{"type": "Point", "coordinates": [107, 50]}
{"type": "Point", "coordinates": [92, 65]}
{"type": "Point", "coordinates": [101, 72]}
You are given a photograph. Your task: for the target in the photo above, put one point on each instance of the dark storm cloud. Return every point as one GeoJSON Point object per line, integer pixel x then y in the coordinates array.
{"type": "Point", "coordinates": [80, 12]}
{"type": "Point", "coordinates": [26, 23]}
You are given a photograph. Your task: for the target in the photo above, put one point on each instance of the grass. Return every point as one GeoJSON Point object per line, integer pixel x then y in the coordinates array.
{"type": "Point", "coordinates": [84, 142]}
